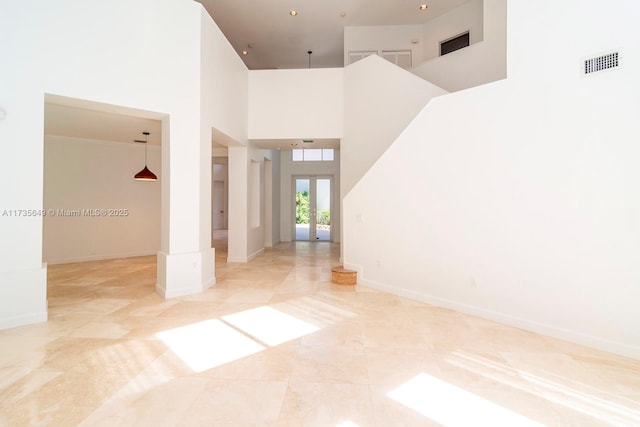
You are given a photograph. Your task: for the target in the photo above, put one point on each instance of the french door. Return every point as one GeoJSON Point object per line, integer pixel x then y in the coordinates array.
{"type": "Point", "coordinates": [312, 214]}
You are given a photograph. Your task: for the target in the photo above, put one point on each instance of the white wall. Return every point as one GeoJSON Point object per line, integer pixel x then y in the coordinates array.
{"type": "Point", "coordinates": [256, 230]}
{"type": "Point", "coordinates": [376, 113]}
{"type": "Point", "coordinates": [81, 174]}
{"type": "Point", "coordinates": [526, 213]}
{"type": "Point", "coordinates": [291, 104]}
{"type": "Point", "coordinates": [224, 111]}
{"type": "Point", "coordinates": [385, 37]}
{"type": "Point", "coordinates": [286, 104]}
{"type": "Point", "coordinates": [139, 54]}
{"type": "Point", "coordinates": [238, 242]}
{"type": "Point", "coordinates": [468, 17]}
{"type": "Point", "coordinates": [481, 62]}
{"type": "Point", "coordinates": [246, 213]}
{"type": "Point", "coordinates": [276, 190]}
{"type": "Point", "coordinates": [290, 169]}
{"type": "Point", "coordinates": [225, 83]}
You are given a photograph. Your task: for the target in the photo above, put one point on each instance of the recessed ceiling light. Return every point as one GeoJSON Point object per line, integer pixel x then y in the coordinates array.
{"type": "Point", "coordinates": [293, 13]}
{"type": "Point", "coordinates": [423, 7]}
{"type": "Point", "coordinates": [244, 52]}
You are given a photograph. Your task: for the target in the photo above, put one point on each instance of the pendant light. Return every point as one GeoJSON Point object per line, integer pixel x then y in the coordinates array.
{"type": "Point", "coordinates": [145, 174]}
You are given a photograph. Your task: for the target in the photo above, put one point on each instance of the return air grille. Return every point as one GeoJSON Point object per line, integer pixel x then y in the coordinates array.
{"type": "Point", "coordinates": [600, 63]}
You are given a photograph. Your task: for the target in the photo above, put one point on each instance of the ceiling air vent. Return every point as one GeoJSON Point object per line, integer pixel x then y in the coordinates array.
{"type": "Point", "coordinates": [600, 63]}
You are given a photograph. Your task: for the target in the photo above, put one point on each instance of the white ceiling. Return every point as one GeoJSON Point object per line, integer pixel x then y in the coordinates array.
{"type": "Point", "coordinates": [83, 123]}
{"type": "Point", "coordinates": [279, 40]}
{"type": "Point", "coordinates": [89, 124]}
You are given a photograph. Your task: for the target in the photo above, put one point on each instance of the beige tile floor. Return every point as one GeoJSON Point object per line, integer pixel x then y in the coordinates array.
{"type": "Point", "coordinates": [274, 343]}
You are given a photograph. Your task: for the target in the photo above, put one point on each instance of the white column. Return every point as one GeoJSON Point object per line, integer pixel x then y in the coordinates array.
{"type": "Point", "coordinates": [185, 264]}
{"type": "Point", "coordinates": [23, 276]}
{"type": "Point", "coordinates": [207, 252]}
{"type": "Point", "coordinates": [238, 204]}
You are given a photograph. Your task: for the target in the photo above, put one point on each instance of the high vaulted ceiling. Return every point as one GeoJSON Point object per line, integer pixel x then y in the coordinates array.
{"type": "Point", "coordinates": [275, 39]}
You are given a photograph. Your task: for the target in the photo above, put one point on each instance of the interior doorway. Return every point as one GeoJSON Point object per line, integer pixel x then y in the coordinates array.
{"type": "Point", "coordinates": [313, 196]}
{"type": "Point", "coordinates": [96, 209]}
{"type": "Point", "coordinates": [219, 203]}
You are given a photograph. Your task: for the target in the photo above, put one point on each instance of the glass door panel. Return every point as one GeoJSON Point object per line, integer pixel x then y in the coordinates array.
{"type": "Point", "coordinates": [303, 209]}
{"type": "Point", "coordinates": [323, 209]}
{"type": "Point", "coordinates": [313, 208]}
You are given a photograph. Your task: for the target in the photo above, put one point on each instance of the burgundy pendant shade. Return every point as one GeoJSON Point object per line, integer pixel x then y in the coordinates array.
{"type": "Point", "coordinates": [145, 174]}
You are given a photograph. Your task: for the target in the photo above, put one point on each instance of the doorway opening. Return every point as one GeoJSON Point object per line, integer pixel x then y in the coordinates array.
{"type": "Point", "coordinates": [96, 209]}
{"type": "Point", "coordinates": [313, 196]}
{"type": "Point", "coordinates": [220, 203]}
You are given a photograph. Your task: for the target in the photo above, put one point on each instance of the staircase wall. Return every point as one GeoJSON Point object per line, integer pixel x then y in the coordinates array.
{"type": "Point", "coordinates": [518, 200]}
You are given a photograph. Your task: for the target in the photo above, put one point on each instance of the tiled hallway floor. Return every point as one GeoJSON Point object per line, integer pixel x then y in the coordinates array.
{"type": "Point", "coordinates": [274, 343]}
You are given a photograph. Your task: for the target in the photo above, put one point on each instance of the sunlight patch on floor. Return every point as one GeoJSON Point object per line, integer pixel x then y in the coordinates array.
{"type": "Point", "coordinates": [315, 311]}
{"type": "Point", "coordinates": [452, 406]}
{"type": "Point", "coordinates": [269, 325]}
{"type": "Point", "coordinates": [211, 343]}
{"type": "Point", "coordinates": [205, 345]}
{"type": "Point", "coordinates": [553, 388]}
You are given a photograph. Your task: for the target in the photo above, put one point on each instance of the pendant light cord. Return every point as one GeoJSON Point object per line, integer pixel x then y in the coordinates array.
{"type": "Point", "coordinates": [146, 138]}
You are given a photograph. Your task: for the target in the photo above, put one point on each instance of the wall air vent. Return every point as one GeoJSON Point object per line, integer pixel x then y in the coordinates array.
{"type": "Point", "coordinates": [600, 63]}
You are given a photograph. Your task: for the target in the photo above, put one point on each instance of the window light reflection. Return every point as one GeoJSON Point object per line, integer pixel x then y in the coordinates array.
{"type": "Point", "coordinates": [452, 406]}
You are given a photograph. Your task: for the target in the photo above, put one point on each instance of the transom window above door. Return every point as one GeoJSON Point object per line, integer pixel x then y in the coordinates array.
{"type": "Point", "coordinates": [312, 154]}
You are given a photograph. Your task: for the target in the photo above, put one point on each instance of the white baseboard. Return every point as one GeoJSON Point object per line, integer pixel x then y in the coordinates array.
{"type": "Point", "coordinates": [209, 284]}
{"type": "Point", "coordinates": [507, 319]}
{"type": "Point", "coordinates": [23, 297]}
{"type": "Point", "coordinates": [24, 319]}
{"type": "Point", "coordinates": [247, 258]}
{"type": "Point", "coordinates": [99, 257]}
{"type": "Point", "coordinates": [256, 253]}
{"type": "Point", "coordinates": [177, 292]}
